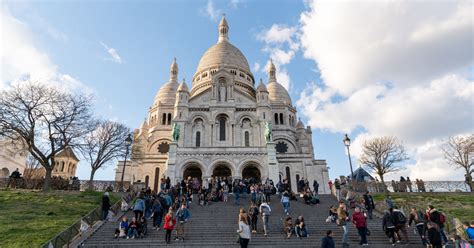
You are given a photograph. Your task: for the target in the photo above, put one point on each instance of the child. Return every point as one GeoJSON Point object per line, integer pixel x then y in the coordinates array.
{"type": "Point", "coordinates": [288, 225]}
{"type": "Point", "coordinates": [132, 228]}
{"type": "Point", "coordinates": [121, 232]}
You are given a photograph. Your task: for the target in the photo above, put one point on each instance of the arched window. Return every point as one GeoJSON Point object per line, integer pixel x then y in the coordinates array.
{"type": "Point", "coordinates": [198, 139]}
{"type": "Point", "coordinates": [222, 121]}
{"type": "Point", "coordinates": [276, 119]}
{"type": "Point", "coordinates": [163, 119]}
{"type": "Point", "coordinates": [169, 118]}
{"type": "Point", "coordinates": [290, 121]}
{"type": "Point", "coordinates": [281, 119]}
{"type": "Point", "coordinates": [264, 115]}
{"type": "Point", "coordinates": [247, 139]}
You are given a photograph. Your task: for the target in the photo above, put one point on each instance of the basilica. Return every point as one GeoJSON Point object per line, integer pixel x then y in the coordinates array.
{"type": "Point", "coordinates": [226, 124]}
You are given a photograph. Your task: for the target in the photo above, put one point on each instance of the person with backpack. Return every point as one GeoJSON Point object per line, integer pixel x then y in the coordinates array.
{"type": "Point", "coordinates": [170, 222]}
{"type": "Point", "coordinates": [417, 217]}
{"type": "Point", "coordinates": [359, 221]}
{"type": "Point", "coordinates": [400, 221]}
{"type": "Point", "coordinates": [253, 212]}
{"type": "Point", "coordinates": [434, 235]}
{"type": "Point", "coordinates": [139, 207]}
{"type": "Point", "coordinates": [265, 211]}
{"type": "Point", "coordinates": [337, 185]}
{"type": "Point", "coordinates": [316, 186]}
{"type": "Point", "coordinates": [182, 216]}
{"type": "Point", "coordinates": [439, 218]}
{"type": "Point", "coordinates": [388, 226]}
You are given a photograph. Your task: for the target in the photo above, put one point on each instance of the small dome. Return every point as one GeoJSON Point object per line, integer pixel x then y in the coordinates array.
{"type": "Point", "coordinates": [261, 87]}
{"type": "Point", "coordinates": [299, 125]}
{"type": "Point", "coordinates": [167, 93]}
{"type": "Point", "coordinates": [183, 87]}
{"type": "Point", "coordinates": [278, 93]}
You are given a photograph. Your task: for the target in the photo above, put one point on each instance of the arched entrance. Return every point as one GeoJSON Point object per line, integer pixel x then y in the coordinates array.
{"type": "Point", "coordinates": [192, 171]}
{"type": "Point", "coordinates": [222, 170]}
{"type": "Point", "coordinates": [252, 172]}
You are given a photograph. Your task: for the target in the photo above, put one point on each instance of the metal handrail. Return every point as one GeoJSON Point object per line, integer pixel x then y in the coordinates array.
{"type": "Point", "coordinates": [64, 238]}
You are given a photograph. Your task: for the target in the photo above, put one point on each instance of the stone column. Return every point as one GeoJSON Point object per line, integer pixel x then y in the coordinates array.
{"type": "Point", "coordinates": [273, 169]}
{"type": "Point", "coordinates": [171, 162]}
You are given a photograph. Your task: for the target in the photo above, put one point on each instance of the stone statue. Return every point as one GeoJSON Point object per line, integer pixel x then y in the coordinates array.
{"type": "Point", "coordinates": [268, 132]}
{"type": "Point", "coordinates": [222, 93]}
{"type": "Point", "coordinates": [175, 132]}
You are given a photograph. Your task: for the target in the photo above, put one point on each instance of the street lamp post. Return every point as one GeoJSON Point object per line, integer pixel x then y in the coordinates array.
{"type": "Point", "coordinates": [128, 142]}
{"type": "Point", "coordinates": [347, 143]}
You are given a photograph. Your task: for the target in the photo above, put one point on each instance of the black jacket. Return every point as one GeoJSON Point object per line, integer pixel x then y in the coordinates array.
{"type": "Point", "coordinates": [328, 242]}
{"type": "Point", "coordinates": [105, 203]}
{"type": "Point", "coordinates": [369, 202]}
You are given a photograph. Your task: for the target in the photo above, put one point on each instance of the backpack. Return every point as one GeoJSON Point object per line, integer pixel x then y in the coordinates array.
{"type": "Point", "coordinates": [400, 218]}
{"type": "Point", "coordinates": [265, 210]}
{"type": "Point", "coordinates": [442, 218]}
{"type": "Point", "coordinates": [180, 215]}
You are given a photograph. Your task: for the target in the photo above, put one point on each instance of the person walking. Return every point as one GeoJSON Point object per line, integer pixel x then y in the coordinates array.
{"type": "Point", "coordinates": [157, 214]}
{"type": "Point", "coordinates": [243, 231]}
{"type": "Point", "coordinates": [170, 222]}
{"type": "Point", "coordinates": [315, 186]}
{"type": "Point", "coordinates": [358, 218]}
{"type": "Point", "coordinates": [182, 216]}
{"type": "Point", "coordinates": [105, 205]}
{"type": "Point", "coordinates": [369, 203]}
{"type": "Point", "coordinates": [285, 201]}
{"type": "Point", "coordinates": [237, 193]}
{"type": "Point", "coordinates": [265, 211]}
{"type": "Point", "coordinates": [328, 241]}
{"type": "Point", "coordinates": [435, 216]}
{"type": "Point", "coordinates": [434, 235]}
{"type": "Point", "coordinates": [139, 207]}
{"type": "Point", "coordinates": [388, 226]}
{"type": "Point", "coordinates": [253, 212]}
{"type": "Point", "coordinates": [417, 217]}
{"type": "Point", "coordinates": [342, 218]}
{"type": "Point", "coordinates": [337, 185]}
{"type": "Point", "coordinates": [400, 221]}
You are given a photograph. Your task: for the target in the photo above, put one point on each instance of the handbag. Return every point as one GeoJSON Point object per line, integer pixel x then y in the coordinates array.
{"type": "Point", "coordinates": [237, 238]}
{"type": "Point", "coordinates": [367, 231]}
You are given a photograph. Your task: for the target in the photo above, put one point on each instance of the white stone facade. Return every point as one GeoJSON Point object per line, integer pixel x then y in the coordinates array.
{"type": "Point", "coordinates": [222, 123]}
{"type": "Point", "coordinates": [12, 157]}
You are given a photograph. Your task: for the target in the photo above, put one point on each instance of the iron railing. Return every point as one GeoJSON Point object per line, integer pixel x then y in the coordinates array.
{"type": "Point", "coordinates": [65, 238]}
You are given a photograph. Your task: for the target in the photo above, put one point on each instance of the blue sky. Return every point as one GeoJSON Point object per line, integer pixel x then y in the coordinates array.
{"type": "Point", "coordinates": [80, 39]}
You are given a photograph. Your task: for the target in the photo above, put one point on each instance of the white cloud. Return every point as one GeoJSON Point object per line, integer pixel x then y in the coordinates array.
{"type": "Point", "coordinates": [281, 43]}
{"type": "Point", "coordinates": [21, 59]}
{"type": "Point", "coordinates": [392, 68]}
{"type": "Point", "coordinates": [405, 42]}
{"type": "Point", "coordinates": [235, 3]}
{"type": "Point", "coordinates": [114, 56]}
{"type": "Point", "coordinates": [211, 11]}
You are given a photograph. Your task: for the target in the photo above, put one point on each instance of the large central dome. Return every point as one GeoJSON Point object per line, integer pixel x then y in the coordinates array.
{"type": "Point", "coordinates": [223, 54]}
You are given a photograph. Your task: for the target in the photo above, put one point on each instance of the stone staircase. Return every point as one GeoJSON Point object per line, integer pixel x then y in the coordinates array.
{"type": "Point", "coordinates": [215, 226]}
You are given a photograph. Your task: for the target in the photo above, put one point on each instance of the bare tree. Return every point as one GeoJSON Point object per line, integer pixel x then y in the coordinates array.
{"type": "Point", "coordinates": [103, 144]}
{"type": "Point", "coordinates": [459, 151]}
{"type": "Point", "coordinates": [381, 155]}
{"type": "Point", "coordinates": [45, 118]}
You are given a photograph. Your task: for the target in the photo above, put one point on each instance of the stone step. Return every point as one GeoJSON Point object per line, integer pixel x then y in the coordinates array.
{"type": "Point", "coordinates": [215, 226]}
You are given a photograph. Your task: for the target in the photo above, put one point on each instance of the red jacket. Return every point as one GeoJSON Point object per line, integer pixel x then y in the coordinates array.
{"type": "Point", "coordinates": [359, 220]}
{"type": "Point", "coordinates": [169, 223]}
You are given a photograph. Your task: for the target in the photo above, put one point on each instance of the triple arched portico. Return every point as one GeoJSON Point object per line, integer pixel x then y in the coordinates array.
{"type": "Point", "coordinates": [247, 169]}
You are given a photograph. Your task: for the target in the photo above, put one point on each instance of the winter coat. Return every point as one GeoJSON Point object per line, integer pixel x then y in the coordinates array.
{"type": "Point", "coordinates": [369, 202]}
{"type": "Point", "coordinates": [387, 221]}
{"type": "Point", "coordinates": [105, 202]}
{"type": "Point", "coordinates": [170, 222]}
{"type": "Point", "coordinates": [359, 220]}
{"type": "Point", "coordinates": [139, 205]}
{"type": "Point", "coordinates": [328, 242]}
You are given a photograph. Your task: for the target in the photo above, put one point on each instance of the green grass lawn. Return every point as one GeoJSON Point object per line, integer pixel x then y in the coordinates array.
{"type": "Point", "coordinates": [30, 218]}
{"type": "Point", "coordinates": [455, 205]}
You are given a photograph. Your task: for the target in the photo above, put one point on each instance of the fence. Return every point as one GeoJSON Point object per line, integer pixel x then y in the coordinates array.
{"type": "Point", "coordinates": [65, 238]}
{"type": "Point", "coordinates": [413, 186]}
{"type": "Point", "coordinates": [62, 184]}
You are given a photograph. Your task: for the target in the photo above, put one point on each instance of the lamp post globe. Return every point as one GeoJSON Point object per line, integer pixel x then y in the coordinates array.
{"type": "Point", "coordinates": [347, 143]}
